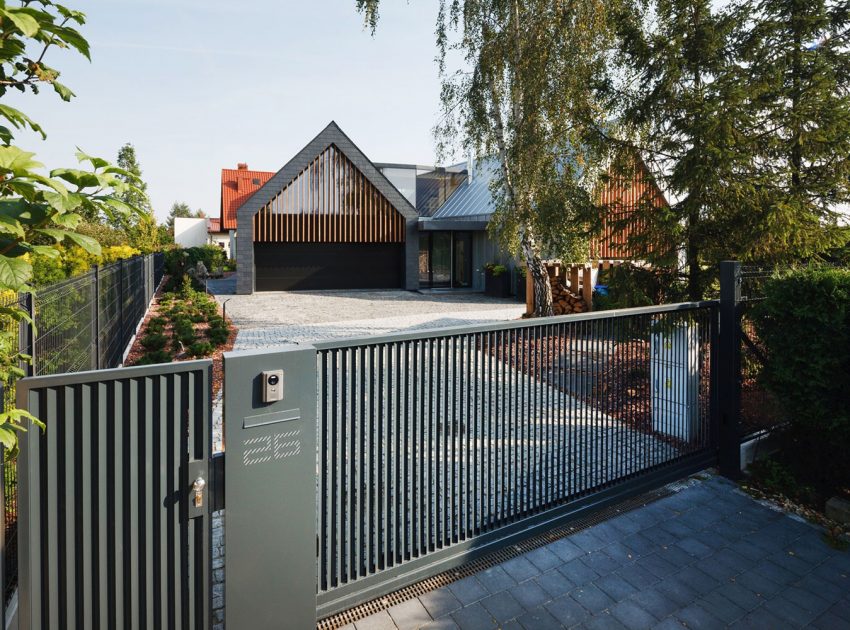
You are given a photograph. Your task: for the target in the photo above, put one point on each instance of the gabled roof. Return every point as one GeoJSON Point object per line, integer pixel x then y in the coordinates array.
{"type": "Point", "coordinates": [213, 225]}
{"type": "Point", "coordinates": [330, 135]}
{"type": "Point", "coordinates": [237, 185]}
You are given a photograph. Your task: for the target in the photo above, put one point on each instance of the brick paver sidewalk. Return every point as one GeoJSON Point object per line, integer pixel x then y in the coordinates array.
{"type": "Point", "coordinates": [706, 557]}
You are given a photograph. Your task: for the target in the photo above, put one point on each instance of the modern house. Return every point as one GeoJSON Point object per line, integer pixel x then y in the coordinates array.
{"type": "Point", "coordinates": [333, 219]}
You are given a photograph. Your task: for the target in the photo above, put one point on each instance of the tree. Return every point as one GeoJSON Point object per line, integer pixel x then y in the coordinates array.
{"type": "Point", "coordinates": [135, 195]}
{"type": "Point", "coordinates": [794, 57]}
{"type": "Point", "coordinates": [181, 210]}
{"type": "Point", "coordinates": [141, 228]}
{"type": "Point", "coordinates": [35, 206]}
{"type": "Point", "coordinates": [526, 97]}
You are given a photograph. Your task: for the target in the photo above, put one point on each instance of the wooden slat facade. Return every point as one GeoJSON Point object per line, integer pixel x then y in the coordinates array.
{"type": "Point", "coordinates": [330, 201]}
{"type": "Point", "coordinates": [623, 196]}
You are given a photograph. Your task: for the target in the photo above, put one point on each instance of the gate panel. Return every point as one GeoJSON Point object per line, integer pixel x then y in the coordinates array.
{"type": "Point", "coordinates": [110, 535]}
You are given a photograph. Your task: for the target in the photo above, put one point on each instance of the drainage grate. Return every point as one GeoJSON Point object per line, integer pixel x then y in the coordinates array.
{"type": "Point", "coordinates": [489, 560]}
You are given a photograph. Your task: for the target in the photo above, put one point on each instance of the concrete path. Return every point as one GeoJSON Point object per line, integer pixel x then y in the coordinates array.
{"type": "Point", "coordinates": [707, 557]}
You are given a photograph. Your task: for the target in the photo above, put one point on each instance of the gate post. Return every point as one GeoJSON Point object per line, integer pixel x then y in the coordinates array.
{"type": "Point", "coordinates": [270, 473]}
{"type": "Point", "coordinates": [729, 373]}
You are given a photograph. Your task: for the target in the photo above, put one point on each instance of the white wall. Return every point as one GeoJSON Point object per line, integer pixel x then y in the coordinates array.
{"type": "Point", "coordinates": [190, 232]}
{"type": "Point", "coordinates": [221, 240]}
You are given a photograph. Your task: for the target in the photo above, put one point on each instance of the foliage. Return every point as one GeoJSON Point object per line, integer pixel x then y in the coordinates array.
{"type": "Point", "coordinates": [200, 349]}
{"type": "Point", "coordinates": [525, 96]}
{"type": "Point", "coordinates": [495, 269]}
{"type": "Point", "coordinates": [38, 208]}
{"type": "Point", "coordinates": [74, 261]}
{"type": "Point", "coordinates": [776, 477]}
{"type": "Point", "coordinates": [154, 357]}
{"type": "Point", "coordinates": [154, 341]}
{"type": "Point", "coordinates": [744, 115]}
{"type": "Point", "coordinates": [804, 323]}
{"type": "Point", "coordinates": [178, 262]}
{"type": "Point", "coordinates": [141, 228]}
{"type": "Point", "coordinates": [631, 285]}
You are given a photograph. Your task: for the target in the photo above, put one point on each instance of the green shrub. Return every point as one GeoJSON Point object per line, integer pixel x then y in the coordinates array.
{"type": "Point", "coordinates": [218, 336]}
{"type": "Point", "coordinates": [156, 356]}
{"type": "Point", "coordinates": [804, 324]}
{"type": "Point", "coordinates": [155, 341]}
{"type": "Point", "coordinates": [178, 261]}
{"type": "Point", "coordinates": [157, 321]}
{"type": "Point", "coordinates": [631, 285]}
{"type": "Point", "coordinates": [200, 349]}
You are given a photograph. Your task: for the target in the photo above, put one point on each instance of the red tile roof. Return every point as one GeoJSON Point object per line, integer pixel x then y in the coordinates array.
{"type": "Point", "coordinates": [237, 184]}
{"type": "Point", "coordinates": [214, 225]}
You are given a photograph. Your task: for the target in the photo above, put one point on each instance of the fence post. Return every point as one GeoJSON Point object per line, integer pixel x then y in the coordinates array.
{"type": "Point", "coordinates": [729, 372]}
{"type": "Point", "coordinates": [270, 537]}
{"type": "Point", "coordinates": [121, 303]}
{"type": "Point", "coordinates": [26, 334]}
{"type": "Point", "coordinates": [97, 361]}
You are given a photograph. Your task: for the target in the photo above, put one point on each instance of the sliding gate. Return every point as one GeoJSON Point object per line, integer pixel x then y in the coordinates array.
{"type": "Point", "coordinates": [112, 531]}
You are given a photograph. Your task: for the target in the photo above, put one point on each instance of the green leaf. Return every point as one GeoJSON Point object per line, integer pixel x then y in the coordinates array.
{"type": "Point", "coordinates": [17, 161]}
{"type": "Point", "coordinates": [63, 202]}
{"type": "Point", "coordinates": [63, 91]}
{"type": "Point", "coordinates": [26, 23]}
{"type": "Point", "coordinates": [19, 119]}
{"type": "Point", "coordinates": [10, 225]}
{"type": "Point", "coordinates": [96, 162]}
{"type": "Point", "coordinates": [68, 220]}
{"type": "Point", "coordinates": [47, 251]}
{"type": "Point", "coordinates": [81, 179]}
{"type": "Point", "coordinates": [86, 242]}
{"type": "Point", "coordinates": [15, 273]}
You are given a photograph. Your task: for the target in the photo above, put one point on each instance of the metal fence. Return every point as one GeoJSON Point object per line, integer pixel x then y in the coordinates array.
{"type": "Point", "coordinates": [448, 442]}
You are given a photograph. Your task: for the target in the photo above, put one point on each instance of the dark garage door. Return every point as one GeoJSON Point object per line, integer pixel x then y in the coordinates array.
{"type": "Point", "coordinates": [291, 266]}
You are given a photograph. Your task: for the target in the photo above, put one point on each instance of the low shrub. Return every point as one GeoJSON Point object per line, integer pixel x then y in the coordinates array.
{"type": "Point", "coordinates": [155, 341]}
{"type": "Point", "coordinates": [157, 321]}
{"type": "Point", "coordinates": [218, 336]}
{"type": "Point", "coordinates": [200, 349]}
{"type": "Point", "coordinates": [804, 324]}
{"type": "Point", "coordinates": [156, 356]}
{"type": "Point", "coordinates": [631, 285]}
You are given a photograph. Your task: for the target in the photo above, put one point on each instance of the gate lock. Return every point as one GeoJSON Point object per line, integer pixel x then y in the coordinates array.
{"type": "Point", "coordinates": [198, 488]}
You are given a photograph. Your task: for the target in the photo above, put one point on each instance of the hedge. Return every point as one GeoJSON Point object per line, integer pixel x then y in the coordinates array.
{"type": "Point", "coordinates": [804, 323]}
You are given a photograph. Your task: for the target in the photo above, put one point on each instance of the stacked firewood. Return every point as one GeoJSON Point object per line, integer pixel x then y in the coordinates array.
{"type": "Point", "coordinates": [564, 301]}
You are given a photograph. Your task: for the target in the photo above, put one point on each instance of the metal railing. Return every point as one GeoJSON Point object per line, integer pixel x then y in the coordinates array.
{"type": "Point", "coordinates": [439, 444]}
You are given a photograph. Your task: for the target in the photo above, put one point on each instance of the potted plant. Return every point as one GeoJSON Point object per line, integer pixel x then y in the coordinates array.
{"type": "Point", "coordinates": [496, 280]}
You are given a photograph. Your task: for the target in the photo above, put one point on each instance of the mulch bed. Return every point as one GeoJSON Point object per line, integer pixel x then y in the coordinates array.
{"type": "Point", "coordinates": [137, 350]}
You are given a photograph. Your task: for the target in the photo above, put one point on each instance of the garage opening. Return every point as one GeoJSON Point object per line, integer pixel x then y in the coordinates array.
{"type": "Point", "coordinates": [306, 266]}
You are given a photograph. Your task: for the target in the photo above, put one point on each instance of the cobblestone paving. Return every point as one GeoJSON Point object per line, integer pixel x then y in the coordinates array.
{"type": "Point", "coordinates": [707, 557]}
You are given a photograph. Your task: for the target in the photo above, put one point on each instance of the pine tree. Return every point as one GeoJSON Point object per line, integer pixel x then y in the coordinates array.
{"type": "Point", "coordinates": [141, 228]}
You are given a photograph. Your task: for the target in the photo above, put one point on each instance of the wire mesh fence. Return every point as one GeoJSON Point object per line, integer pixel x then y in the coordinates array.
{"type": "Point", "coordinates": [83, 323]}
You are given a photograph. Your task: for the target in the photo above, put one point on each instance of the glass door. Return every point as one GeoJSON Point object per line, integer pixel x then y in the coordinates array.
{"type": "Point", "coordinates": [462, 272]}
{"type": "Point", "coordinates": [441, 259]}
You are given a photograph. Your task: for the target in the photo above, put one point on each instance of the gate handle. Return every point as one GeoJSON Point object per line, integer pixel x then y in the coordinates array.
{"type": "Point", "coordinates": [198, 488]}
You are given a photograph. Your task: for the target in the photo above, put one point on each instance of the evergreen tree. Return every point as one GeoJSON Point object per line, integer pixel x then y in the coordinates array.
{"type": "Point", "coordinates": [793, 55]}
{"type": "Point", "coordinates": [137, 194]}
{"type": "Point", "coordinates": [141, 229]}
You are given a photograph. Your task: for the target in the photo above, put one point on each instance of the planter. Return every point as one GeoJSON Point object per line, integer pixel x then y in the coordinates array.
{"type": "Point", "coordinates": [497, 286]}
{"type": "Point", "coordinates": [520, 287]}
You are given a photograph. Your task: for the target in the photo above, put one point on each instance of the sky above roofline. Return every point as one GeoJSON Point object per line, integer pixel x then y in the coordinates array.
{"type": "Point", "coordinates": [198, 86]}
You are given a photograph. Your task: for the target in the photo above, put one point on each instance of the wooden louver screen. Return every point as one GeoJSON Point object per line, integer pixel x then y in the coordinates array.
{"type": "Point", "coordinates": [330, 201]}
{"type": "Point", "coordinates": [623, 198]}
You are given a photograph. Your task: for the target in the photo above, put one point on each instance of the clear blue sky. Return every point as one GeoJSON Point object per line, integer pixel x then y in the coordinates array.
{"type": "Point", "coordinates": [197, 85]}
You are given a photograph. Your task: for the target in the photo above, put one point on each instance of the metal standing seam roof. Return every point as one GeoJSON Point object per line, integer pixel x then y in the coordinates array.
{"type": "Point", "coordinates": [472, 201]}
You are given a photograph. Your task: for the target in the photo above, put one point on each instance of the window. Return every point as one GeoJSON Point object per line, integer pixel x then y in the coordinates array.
{"type": "Point", "coordinates": [255, 181]}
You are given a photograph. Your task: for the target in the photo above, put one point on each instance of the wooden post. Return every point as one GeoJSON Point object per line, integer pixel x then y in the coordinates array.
{"type": "Point", "coordinates": [587, 288]}
{"type": "Point", "coordinates": [529, 292]}
{"type": "Point", "coordinates": [574, 286]}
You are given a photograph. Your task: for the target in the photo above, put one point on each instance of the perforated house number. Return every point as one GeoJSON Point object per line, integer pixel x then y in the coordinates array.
{"type": "Point", "coordinates": [267, 448]}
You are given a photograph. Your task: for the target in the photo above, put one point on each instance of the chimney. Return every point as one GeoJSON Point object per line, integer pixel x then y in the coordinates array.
{"type": "Point", "coordinates": [470, 166]}
{"type": "Point", "coordinates": [242, 166]}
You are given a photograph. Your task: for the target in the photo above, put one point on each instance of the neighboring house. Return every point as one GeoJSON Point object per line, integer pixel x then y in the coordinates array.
{"type": "Point", "coordinates": [190, 232]}
{"type": "Point", "coordinates": [333, 219]}
{"type": "Point", "coordinates": [222, 238]}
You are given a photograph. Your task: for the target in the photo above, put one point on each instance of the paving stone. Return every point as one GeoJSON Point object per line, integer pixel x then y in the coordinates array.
{"type": "Point", "coordinates": [659, 535]}
{"type": "Point", "coordinates": [719, 571]}
{"type": "Point", "coordinates": [746, 550]}
{"type": "Point", "coordinates": [731, 559]}
{"type": "Point", "coordinates": [762, 619]}
{"type": "Point", "coordinates": [566, 550]}
{"type": "Point", "coordinates": [555, 583]}
{"type": "Point", "coordinates": [792, 563]}
{"type": "Point", "coordinates": [578, 572]}
{"type": "Point", "coordinates": [567, 611]}
{"type": "Point", "coordinates": [830, 590]}
{"type": "Point", "coordinates": [842, 609]}
{"type": "Point", "coordinates": [468, 590]}
{"type": "Point", "coordinates": [495, 579]}
{"type": "Point", "coordinates": [740, 596]}
{"type": "Point", "coordinates": [789, 611]}
{"type": "Point", "coordinates": [655, 602]}
{"type": "Point", "coordinates": [440, 602]}
{"type": "Point", "coordinates": [813, 549]}
{"type": "Point", "coordinates": [378, 621]}
{"type": "Point", "coordinates": [694, 547]}
{"type": "Point", "coordinates": [615, 587]}
{"type": "Point", "coordinates": [829, 621]}
{"type": "Point", "coordinates": [543, 558]}
{"type": "Point", "coordinates": [670, 623]}
{"type": "Point", "coordinates": [721, 607]}
{"type": "Point", "coordinates": [409, 615]}
{"type": "Point", "coordinates": [601, 562]}
{"type": "Point", "coordinates": [675, 556]}
{"type": "Point", "coordinates": [603, 621]}
{"type": "Point", "coordinates": [806, 599]}
{"type": "Point", "coordinates": [632, 616]}
{"type": "Point", "coordinates": [640, 544]}
{"type": "Point", "coordinates": [520, 568]}
{"type": "Point", "coordinates": [698, 580]}
{"type": "Point", "coordinates": [620, 553]}
{"type": "Point", "coordinates": [474, 617]}
{"type": "Point", "coordinates": [657, 565]}
{"type": "Point", "coordinates": [758, 583]}
{"type": "Point", "coordinates": [446, 623]}
{"type": "Point", "coordinates": [773, 571]}
{"type": "Point", "coordinates": [698, 618]}
{"type": "Point", "coordinates": [592, 598]}
{"type": "Point", "coordinates": [587, 540]}
{"type": "Point", "coordinates": [502, 607]}
{"type": "Point", "coordinates": [529, 594]}
{"type": "Point", "coordinates": [538, 619]}
{"type": "Point", "coordinates": [625, 525]}
{"type": "Point", "coordinates": [637, 576]}
{"type": "Point", "coordinates": [678, 592]}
